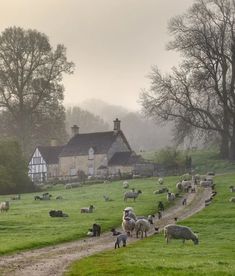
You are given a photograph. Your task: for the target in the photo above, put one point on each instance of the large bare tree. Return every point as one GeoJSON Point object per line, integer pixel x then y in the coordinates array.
{"type": "Point", "coordinates": [30, 79]}
{"type": "Point", "coordinates": [200, 93]}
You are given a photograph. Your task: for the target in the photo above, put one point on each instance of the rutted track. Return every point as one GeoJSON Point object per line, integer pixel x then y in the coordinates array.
{"type": "Point", "coordinates": [54, 260]}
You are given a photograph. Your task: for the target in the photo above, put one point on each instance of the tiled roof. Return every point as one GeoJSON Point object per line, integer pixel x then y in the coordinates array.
{"type": "Point", "coordinates": [124, 159]}
{"type": "Point", "coordinates": [99, 141]}
{"type": "Point", "coordinates": [50, 154]}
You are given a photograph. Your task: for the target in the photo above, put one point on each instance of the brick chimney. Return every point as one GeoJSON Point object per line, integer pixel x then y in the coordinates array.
{"type": "Point", "coordinates": [75, 130]}
{"type": "Point", "coordinates": [116, 126]}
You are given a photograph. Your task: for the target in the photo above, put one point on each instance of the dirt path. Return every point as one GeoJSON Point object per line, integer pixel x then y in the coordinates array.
{"type": "Point", "coordinates": [54, 260]}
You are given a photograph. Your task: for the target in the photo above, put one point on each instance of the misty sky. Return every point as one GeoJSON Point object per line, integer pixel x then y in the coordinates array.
{"type": "Point", "coordinates": [113, 43]}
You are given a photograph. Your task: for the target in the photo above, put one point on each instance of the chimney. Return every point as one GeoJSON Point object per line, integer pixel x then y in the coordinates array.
{"type": "Point", "coordinates": [75, 130]}
{"type": "Point", "coordinates": [116, 126]}
{"type": "Point", "coordinates": [53, 142]}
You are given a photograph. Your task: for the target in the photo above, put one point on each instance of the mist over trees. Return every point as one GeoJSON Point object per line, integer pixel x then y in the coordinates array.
{"type": "Point", "coordinates": [31, 92]}
{"type": "Point", "coordinates": [198, 96]}
{"type": "Point", "coordinates": [142, 134]}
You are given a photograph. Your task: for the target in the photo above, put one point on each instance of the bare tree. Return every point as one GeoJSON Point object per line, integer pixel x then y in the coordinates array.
{"type": "Point", "coordinates": [201, 91]}
{"type": "Point", "coordinates": [30, 78]}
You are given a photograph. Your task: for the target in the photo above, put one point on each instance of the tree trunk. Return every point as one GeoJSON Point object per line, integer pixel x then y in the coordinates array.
{"type": "Point", "coordinates": [232, 144]}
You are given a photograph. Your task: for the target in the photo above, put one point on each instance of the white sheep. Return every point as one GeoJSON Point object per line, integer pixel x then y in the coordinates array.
{"type": "Point", "coordinates": [87, 209]}
{"type": "Point", "coordinates": [129, 213]}
{"type": "Point", "coordinates": [173, 231]}
{"type": "Point", "coordinates": [160, 180]}
{"type": "Point", "coordinates": [143, 225]}
{"type": "Point", "coordinates": [131, 194]}
{"type": "Point", "coordinates": [4, 206]}
{"type": "Point", "coordinates": [206, 183]}
{"type": "Point", "coordinates": [170, 196]}
{"type": "Point", "coordinates": [128, 225]}
{"type": "Point", "coordinates": [125, 184]}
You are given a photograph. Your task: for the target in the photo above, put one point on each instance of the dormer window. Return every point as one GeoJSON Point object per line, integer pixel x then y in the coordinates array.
{"type": "Point", "coordinates": [91, 154]}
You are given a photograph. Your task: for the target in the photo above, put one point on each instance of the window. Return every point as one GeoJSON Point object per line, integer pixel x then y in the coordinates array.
{"type": "Point", "coordinates": [91, 154]}
{"type": "Point", "coordinates": [36, 160]}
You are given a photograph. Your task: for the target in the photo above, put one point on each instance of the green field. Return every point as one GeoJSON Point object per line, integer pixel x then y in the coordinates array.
{"type": "Point", "coordinates": [27, 224]}
{"type": "Point", "coordinates": [215, 254]}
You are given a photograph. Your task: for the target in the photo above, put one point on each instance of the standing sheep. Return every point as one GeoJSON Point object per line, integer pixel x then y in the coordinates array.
{"type": "Point", "coordinates": [170, 196]}
{"type": "Point", "coordinates": [4, 206]}
{"type": "Point", "coordinates": [131, 194]}
{"type": "Point", "coordinates": [125, 184]}
{"type": "Point", "coordinates": [128, 225]}
{"type": "Point", "coordinates": [160, 180]}
{"type": "Point", "coordinates": [87, 209]}
{"type": "Point", "coordinates": [143, 226]}
{"type": "Point", "coordinates": [121, 238]}
{"type": "Point", "coordinates": [173, 231]}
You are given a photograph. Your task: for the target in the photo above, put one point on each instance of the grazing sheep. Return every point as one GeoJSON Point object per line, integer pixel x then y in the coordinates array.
{"type": "Point", "coordinates": [57, 214]}
{"type": "Point", "coordinates": [17, 197]}
{"type": "Point", "coordinates": [87, 209]}
{"type": "Point", "coordinates": [170, 196]}
{"type": "Point", "coordinates": [206, 183]}
{"type": "Point", "coordinates": [115, 232]}
{"type": "Point", "coordinates": [122, 238]}
{"type": "Point", "coordinates": [232, 189]}
{"type": "Point", "coordinates": [128, 225]}
{"type": "Point", "coordinates": [125, 184]}
{"type": "Point", "coordinates": [161, 191]}
{"type": "Point", "coordinates": [160, 180]}
{"type": "Point", "coordinates": [59, 197]}
{"type": "Point", "coordinates": [107, 198]}
{"type": "Point", "coordinates": [96, 229]}
{"type": "Point", "coordinates": [131, 194]}
{"type": "Point", "coordinates": [4, 206]}
{"type": "Point", "coordinates": [232, 199]}
{"type": "Point", "coordinates": [173, 231]}
{"type": "Point", "coordinates": [68, 186]}
{"type": "Point", "coordinates": [143, 226]}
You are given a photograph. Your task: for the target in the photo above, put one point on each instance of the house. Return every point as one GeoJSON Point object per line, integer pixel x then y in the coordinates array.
{"type": "Point", "coordinates": [44, 163]}
{"type": "Point", "coordinates": [97, 154]}
{"type": "Point", "coordinates": [92, 152]}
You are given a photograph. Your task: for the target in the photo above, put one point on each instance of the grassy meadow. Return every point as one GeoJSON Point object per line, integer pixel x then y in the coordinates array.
{"type": "Point", "coordinates": [28, 225]}
{"type": "Point", "coordinates": [215, 254]}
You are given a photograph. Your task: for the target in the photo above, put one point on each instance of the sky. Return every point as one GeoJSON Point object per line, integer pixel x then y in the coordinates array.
{"type": "Point", "coordinates": [113, 43]}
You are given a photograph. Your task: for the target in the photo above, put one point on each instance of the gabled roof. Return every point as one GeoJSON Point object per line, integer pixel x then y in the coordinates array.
{"type": "Point", "coordinates": [50, 154]}
{"type": "Point", "coordinates": [99, 141]}
{"type": "Point", "coordinates": [124, 159]}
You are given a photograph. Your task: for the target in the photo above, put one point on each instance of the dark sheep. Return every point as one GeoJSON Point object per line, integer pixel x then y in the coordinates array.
{"type": "Point", "coordinates": [96, 229]}
{"type": "Point", "coordinates": [115, 232]}
{"type": "Point", "coordinates": [122, 238]}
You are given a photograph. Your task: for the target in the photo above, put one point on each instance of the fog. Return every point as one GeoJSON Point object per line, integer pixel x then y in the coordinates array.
{"type": "Point", "coordinates": [113, 43]}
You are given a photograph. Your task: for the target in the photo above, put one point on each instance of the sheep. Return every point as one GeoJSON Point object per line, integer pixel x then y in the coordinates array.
{"type": "Point", "coordinates": [170, 196]}
{"type": "Point", "coordinates": [115, 232]}
{"type": "Point", "coordinates": [206, 183]}
{"type": "Point", "coordinates": [232, 189]}
{"type": "Point", "coordinates": [17, 197]}
{"type": "Point", "coordinates": [160, 180]}
{"type": "Point", "coordinates": [90, 232]}
{"type": "Point", "coordinates": [4, 206]}
{"type": "Point", "coordinates": [68, 186]}
{"type": "Point", "coordinates": [161, 206]}
{"type": "Point", "coordinates": [96, 229]}
{"type": "Point", "coordinates": [232, 199]}
{"type": "Point", "coordinates": [173, 231]}
{"type": "Point", "coordinates": [59, 197]}
{"type": "Point", "coordinates": [131, 194]}
{"type": "Point", "coordinates": [125, 184]}
{"type": "Point", "coordinates": [122, 238]}
{"type": "Point", "coordinates": [161, 191]}
{"type": "Point", "coordinates": [184, 201]}
{"type": "Point", "coordinates": [128, 225]}
{"type": "Point", "coordinates": [87, 209]}
{"type": "Point", "coordinates": [107, 198]}
{"type": "Point", "coordinates": [59, 213]}
{"type": "Point", "coordinates": [129, 213]}
{"type": "Point", "coordinates": [143, 226]}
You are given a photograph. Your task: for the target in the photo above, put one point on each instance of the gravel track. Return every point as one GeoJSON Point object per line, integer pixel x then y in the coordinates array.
{"type": "Point", "coordinates": [54, 260]}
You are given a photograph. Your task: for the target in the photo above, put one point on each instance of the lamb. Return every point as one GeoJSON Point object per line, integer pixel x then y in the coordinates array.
{"type": "Point", "coordinates": [173, 231]}
{"type": "Point", "coordinates": [143, 226]}
{"type": "Point", "coordinates": [170, 196]}
{"type": "Point", "coordinates": [96, 229]}
{"type": "Point", "coordinates": [122, 238]}
{"type": "Point", "coordinates": [131, 194]}
{"type": "Point", "coordinates": [125, 184]}
{"type": "Point", "coordinates": [161, 206]}
{"type": "Point", "coordinates": [232, 189]}
{"type": "Point", "coordinates": [115, 232]}
{"type": "Point", "coordinates": [87, 209]}
{"type": "Point", "coordinates": [4, 206]}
